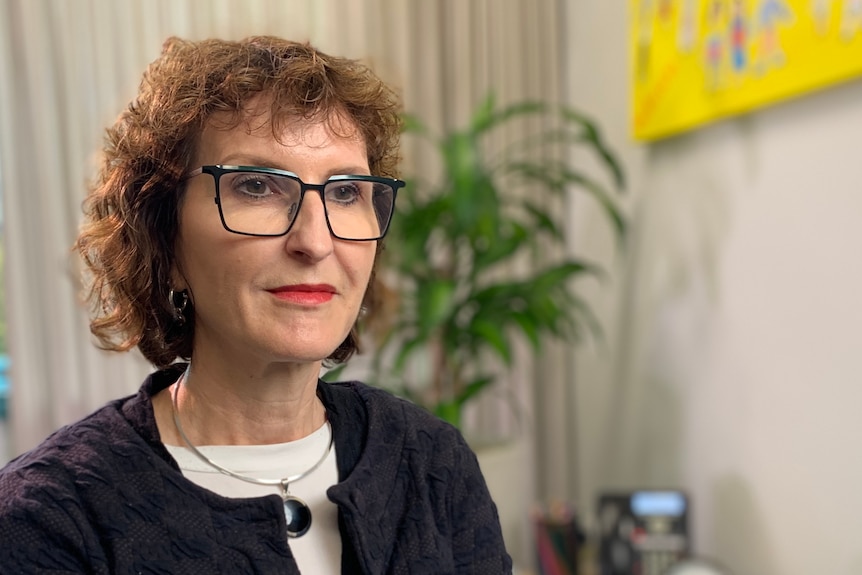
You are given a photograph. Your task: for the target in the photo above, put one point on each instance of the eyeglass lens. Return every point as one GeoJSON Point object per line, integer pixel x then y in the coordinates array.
{"type": "Point", "coordinates": [266, 204]}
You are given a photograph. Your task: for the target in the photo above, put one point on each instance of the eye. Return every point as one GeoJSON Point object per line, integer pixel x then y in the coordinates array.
{"type": "Point", "coordinates": [344, 193]}
{"type": "Point", "coordinates": [253, 185]}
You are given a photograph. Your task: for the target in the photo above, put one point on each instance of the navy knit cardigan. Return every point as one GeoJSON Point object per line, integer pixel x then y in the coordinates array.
{"type": "Point", "coordinates": [103, 496]}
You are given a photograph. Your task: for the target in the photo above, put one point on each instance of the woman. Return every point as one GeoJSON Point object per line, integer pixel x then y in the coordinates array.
{"type": "Point", "coordinates": [235, 225]}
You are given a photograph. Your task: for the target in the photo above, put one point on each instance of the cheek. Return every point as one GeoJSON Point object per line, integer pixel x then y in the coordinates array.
{"type": "Point", "coordinates": [358, 263]}
{"type": "Point", "coordinates": [207, 258]}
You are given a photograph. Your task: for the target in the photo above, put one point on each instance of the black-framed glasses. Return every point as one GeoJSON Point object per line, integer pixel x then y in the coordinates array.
{"type": "Point", "coordinates": [255, 201]}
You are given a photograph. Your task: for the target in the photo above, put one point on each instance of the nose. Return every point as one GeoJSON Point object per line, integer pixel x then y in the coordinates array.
{"type": "Point", "coordinates": [309, 236]}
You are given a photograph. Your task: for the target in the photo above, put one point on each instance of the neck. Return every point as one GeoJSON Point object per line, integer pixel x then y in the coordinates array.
{"type": "Point", "coordinates": [272, 406]}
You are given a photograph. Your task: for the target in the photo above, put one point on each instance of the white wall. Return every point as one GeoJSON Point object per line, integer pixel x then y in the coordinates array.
{"type": "Point", "coordinates": [733, 366]}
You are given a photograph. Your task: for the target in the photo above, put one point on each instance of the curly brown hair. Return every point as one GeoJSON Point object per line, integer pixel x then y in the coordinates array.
{"type": "Point", "coordinates": [128, 237]}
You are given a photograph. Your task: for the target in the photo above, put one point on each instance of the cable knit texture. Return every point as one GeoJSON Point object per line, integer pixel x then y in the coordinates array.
{"type": "Point", "coordinates": [104, 496]}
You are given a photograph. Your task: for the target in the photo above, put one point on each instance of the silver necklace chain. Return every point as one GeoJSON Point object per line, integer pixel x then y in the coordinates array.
{"type": "Point", "coordinates": [283, 482]}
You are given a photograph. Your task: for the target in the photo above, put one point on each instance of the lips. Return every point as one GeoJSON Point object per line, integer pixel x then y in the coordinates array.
{"type": "Point", "coordinates": [304, 294]}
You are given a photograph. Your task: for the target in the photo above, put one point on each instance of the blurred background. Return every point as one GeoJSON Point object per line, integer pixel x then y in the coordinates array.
{"type": "Point", "coordinates": [730, 363]}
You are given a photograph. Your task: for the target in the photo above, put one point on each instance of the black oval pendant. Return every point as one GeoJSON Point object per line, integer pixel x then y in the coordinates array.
{"type": "Point", "coordinates": [298, 516]}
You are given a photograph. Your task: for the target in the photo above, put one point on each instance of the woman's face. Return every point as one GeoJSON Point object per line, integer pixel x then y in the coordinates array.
{"type": "Point", "coordinates": [292, 298]}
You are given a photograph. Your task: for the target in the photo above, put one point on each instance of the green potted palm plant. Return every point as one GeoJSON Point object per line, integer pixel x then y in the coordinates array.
{"type": "Point", "coordinates": [466, 268]}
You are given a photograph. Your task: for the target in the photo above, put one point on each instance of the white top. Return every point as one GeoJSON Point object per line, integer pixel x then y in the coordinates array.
{"type": "Point", "coordinates": [319, 550]}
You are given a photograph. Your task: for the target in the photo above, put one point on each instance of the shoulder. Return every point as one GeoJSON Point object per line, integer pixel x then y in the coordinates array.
{"type": "Point", "coordinates": [381, 402]}
{"type": "Point", "coordinates": [70, 444]}
{"type": "Point", "coordinates": [77, 487]}
{"type": "Point", "coordinates": [63, 460]}
{"type": "Point", "coordinates": [117, 430]}
{"type": "Point", "coordinates": [79, 457]}
{"type": "Point", "coordinates": [393, 416]}
{"type": "Point", "coordinates": [42, 501]}
{"type": "Point", "coordinates": [402, 434]}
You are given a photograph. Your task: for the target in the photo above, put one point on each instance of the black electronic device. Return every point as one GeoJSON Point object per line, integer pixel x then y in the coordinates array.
{"type": "Point", "coordinates": [642, 532]}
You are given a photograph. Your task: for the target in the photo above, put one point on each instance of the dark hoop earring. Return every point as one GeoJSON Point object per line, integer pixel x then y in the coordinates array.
{"type": "Point", "coordinates": [179, 300]}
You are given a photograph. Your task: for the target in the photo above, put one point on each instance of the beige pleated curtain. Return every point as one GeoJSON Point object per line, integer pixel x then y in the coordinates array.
{"type": "Point", "coordinates": [68, 67]}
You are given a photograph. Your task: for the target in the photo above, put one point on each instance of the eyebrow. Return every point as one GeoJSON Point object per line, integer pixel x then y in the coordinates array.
{"type": "Point", "coordinates": [260, 162]}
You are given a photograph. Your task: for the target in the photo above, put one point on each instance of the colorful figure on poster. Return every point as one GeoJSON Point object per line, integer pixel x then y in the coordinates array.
{"type": "Point", "coordinates": [687, 30]}
{"type": "Point", "coordinates": [665, 11]}
{"type": "Point", "coordinates": [645, 21]}
{"type": "Point", "coordinates": [738, 36]}
{"type": "Point", "coordinates": [821, 15]}
{"type": "Point", "coordinates": [715, 44]}
{"type": "Point", "coordinates": [770, 15]}
{"type": "Point", "coordinates": [851, 19]}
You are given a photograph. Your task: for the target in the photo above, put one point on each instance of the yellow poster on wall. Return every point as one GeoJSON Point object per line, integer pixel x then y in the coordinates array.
{"type": "Point", "coordinates": [697, 61]}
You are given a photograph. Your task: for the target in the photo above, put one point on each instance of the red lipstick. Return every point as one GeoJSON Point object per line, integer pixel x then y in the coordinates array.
{"type": "Point", "coordinates": [304, 294]}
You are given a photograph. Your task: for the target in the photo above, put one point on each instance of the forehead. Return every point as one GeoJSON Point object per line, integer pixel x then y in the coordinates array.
{"type": "Point", "coordinates": [262, 117]}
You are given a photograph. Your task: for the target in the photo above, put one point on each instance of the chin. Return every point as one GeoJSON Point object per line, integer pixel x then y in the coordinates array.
{"type": "Point", "coordinates": [306, 352]}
